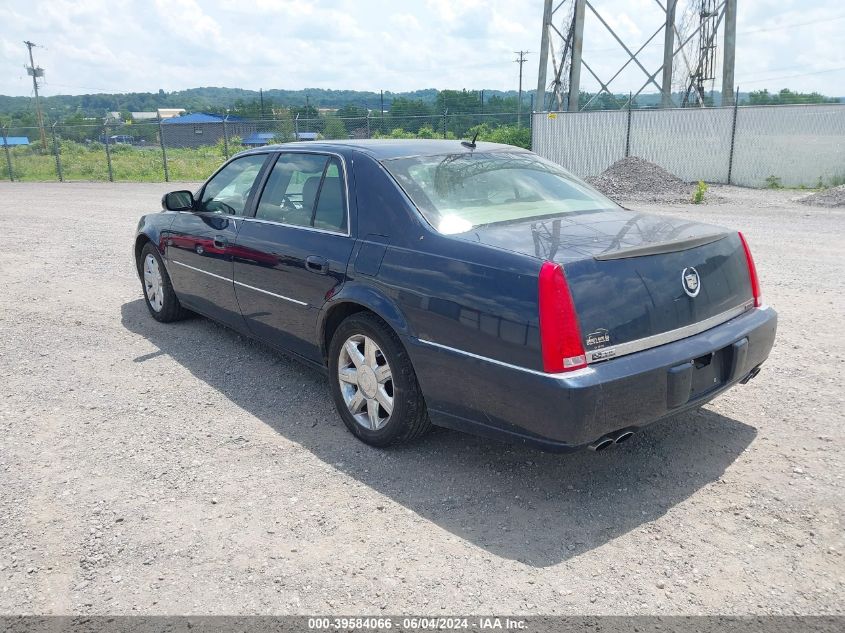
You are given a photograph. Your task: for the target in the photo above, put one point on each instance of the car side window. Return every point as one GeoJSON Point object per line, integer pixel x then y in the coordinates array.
{"type": "Point", "coordinates": [330, 213]}
{"type": "Point", "coordinates": [229, 190]}
{"type": "Point", "coordinates": [304, 190]}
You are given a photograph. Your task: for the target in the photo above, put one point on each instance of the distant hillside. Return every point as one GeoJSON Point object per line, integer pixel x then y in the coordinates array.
{"type": "Point", "coordinates": [216, 99]}
{"type": "Point", "coordinates": [19, 111]}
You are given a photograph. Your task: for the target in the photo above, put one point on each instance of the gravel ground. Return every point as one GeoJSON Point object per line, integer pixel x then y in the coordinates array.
{"type": "Point", "coordinates": [173, 469]}
{"type": "Point", "coordinates": [833, 197]}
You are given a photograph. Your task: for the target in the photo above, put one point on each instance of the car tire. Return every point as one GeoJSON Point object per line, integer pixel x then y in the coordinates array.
{"type": "Point", "coordinates": [377, 347]}
{"type": "Point", "coordinates": [158, 292]}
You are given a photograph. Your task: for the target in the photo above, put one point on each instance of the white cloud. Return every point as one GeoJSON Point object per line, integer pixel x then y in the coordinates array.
{"type": "Point", "coordinates": [121, 46]}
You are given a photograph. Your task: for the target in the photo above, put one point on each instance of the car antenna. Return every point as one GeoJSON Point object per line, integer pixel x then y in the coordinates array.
{"type": "Point", "coordinates": [470, 144]}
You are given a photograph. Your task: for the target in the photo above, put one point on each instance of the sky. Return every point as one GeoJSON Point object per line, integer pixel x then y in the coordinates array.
{"type": "Point", "coordinates": [88, 46]}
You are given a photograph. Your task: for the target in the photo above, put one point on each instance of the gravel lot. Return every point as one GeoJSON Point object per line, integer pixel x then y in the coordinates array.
{"type": "Point", "coordinates": [172, 469]}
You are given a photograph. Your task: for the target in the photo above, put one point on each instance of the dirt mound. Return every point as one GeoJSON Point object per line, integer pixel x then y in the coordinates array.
{"type": "Point", "coordinates": [833, 197]}
{"type": "Point", "coordinates": [634, 178]}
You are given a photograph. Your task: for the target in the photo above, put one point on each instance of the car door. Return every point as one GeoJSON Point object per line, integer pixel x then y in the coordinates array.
{"type": "Point", "coordinates": [199, 242]}
{"type": "Point", "coordinates": [293, 253]}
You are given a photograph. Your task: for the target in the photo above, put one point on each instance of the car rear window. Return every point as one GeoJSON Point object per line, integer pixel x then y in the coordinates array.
{"type": "Point", "coordinates": [459, 192]}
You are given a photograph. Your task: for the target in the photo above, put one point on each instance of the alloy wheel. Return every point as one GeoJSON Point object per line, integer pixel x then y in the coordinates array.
{"type": "Point", "coordinates": [366, 382]}
{"type": "Point", "coordinates": [153, 283]}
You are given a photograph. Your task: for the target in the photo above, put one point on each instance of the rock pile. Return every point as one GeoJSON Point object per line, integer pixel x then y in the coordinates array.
{"type": "Point", "coordinates": [634, 178]}
{"type": "Point", "coordinates": [833, 197]}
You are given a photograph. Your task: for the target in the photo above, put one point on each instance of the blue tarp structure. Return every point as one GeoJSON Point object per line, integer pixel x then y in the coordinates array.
{"type": "Point", "coordinates": [198, 117]}
{"type": "Point", "coordinates": [259, 138]}
{"type": "Point", "coordinates": [14, 140]}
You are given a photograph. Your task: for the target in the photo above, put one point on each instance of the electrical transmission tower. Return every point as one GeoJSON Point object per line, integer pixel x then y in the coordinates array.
{"type": "Point", "coordinates": [564, 45]}
{"type": "Point", "coordinates": [35, 72]}
{"type": "Point", "coordinates": [704, 70]}
{"type": "Point", "coordinates": [521, 61]}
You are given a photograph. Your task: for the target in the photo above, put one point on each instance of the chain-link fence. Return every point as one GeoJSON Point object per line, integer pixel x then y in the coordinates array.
{"type": "Point", "coordinates": [186, 149]}
{"type": "Point", "coordinates": [754, 146]}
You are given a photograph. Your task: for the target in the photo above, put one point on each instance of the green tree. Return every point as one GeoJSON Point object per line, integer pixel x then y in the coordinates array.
{"type": "Point", "coordinates": [283, 126]}
{"type": "Point", "coordinates": [304, 112]}
{"type": "Point", "coordinates": [333, 128]}
{"type": "Point", "coordinates": [787, 96]}
{"type": "Point", "coordinates": [351, 111]}
{"type": "Point", "coordinates": [409, 114]}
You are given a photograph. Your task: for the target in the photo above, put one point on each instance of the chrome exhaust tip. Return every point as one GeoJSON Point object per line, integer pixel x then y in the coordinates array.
{"type": "Point", "coordinates": [623, 437]}
{"type": "Point", "coordinates": [601, 444]}
{"type": "Point", "coordinates": [751, 376]}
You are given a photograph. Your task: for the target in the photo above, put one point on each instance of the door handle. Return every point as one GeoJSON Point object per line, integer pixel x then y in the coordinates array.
{"type": "Point", "coordinates": [317, 264]}
{"type": "Point", "coordinates": [220, 241]}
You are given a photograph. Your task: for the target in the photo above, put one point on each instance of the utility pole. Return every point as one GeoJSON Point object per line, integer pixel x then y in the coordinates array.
{"type": "Point", "coordinates": [35, 72]}
{"type": "Point", "coordinates": [261, 98]}
{"type": "Point", "coordinates": [668, 54]}
{"type": "Point", "coordinates": [729, 56]}
{"type": "Point", "coordinates": [577, 48]}
{"type": "Point", "coordinates": [520, 60]}
{"type": "Point", "coordinates": [540, 98]}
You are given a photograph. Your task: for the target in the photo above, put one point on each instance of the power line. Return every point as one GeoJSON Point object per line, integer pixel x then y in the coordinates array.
{"type": "Point", "coordinates": [796, 24]}
{"type": "Point", "coordinates": [817, 72]}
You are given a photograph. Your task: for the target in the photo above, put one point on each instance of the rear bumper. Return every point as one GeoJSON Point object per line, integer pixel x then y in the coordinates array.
{"type": "Point", "coordinates": [569, 411]}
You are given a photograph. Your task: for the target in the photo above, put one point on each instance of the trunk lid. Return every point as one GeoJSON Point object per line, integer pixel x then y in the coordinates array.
{"type": "Point", "coordinates": [637, 280]}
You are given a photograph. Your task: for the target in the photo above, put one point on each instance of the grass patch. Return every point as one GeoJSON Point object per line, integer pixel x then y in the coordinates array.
{"type": "Point", "coordinates": [129, 163]}
{"type": "Point", "coordinates": [698, 194]}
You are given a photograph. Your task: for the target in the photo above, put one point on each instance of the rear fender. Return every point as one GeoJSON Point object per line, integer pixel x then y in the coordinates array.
{"type": "Point", "coordinates": [354, 293]}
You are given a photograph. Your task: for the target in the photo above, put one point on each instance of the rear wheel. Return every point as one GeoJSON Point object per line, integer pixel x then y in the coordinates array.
{"type": "Point", "coordinates": [373, 383]}
{"type": "Point", "coordinates": [158, 291]}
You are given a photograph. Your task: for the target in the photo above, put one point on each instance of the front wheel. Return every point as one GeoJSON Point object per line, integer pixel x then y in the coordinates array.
{"type": "Point", "coordinates": [373, 383]}
{"type": "Point", "coordinates": [161, 301]}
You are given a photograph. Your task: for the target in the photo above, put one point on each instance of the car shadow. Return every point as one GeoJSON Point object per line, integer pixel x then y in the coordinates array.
{"type": "Point", "coordinates": [513, 501]}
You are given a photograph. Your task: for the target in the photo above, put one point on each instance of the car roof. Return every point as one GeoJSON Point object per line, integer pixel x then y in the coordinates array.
{"type": "Point", "coordinates": [385, 149]}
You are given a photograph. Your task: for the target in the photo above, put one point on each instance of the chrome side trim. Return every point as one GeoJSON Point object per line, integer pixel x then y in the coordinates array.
{"type": "Point", "coordinates": [619, 350]}
{"type": "Point", "coordinates": [536, 372]}
{"type": "Point", "coordinates": [272, 294]}
{"type": "Point", "coordinates": [200, 270]}
{"type": "Point", "coordinates": [631, 347]}
{"type": "Point", "coordinates": [266, 292]}
{"type": "Point", "coordinates": [295, 226]}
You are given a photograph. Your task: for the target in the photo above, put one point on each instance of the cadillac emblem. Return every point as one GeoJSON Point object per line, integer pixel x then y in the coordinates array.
{"type": "Point", "coordinates": [691, 281]}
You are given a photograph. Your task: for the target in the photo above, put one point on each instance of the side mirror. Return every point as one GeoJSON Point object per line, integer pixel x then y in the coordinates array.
{"type": "Point", "coordinates": [178, 201]}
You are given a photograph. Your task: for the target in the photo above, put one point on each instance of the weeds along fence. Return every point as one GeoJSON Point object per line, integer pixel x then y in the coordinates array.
{"type": "Point", "coordinates": [754, 146]}
{"type": "Point", "coordinates": [173, 150]}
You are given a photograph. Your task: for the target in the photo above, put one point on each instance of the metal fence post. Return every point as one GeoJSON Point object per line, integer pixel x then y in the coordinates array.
{"type": "Point", "coordinates": [733, 136]}
{"type": "Point", "coordinates": [296, 127]}
{"type": "Point", "coordinates": [369, 135]}
{"type": "Point", "coordinates": [8, 155]}
{"type": "Point", "coordinates": [163, 152]}
{"type": "Point", "coordinates": [225, 139]}
{"type": "Point", "coordinates": [58, 155]}
{"type": "Point", "coordinates": [445, 114]}
{"type": "Point", "coordinates": [108, 155]}
{"type": "Point", "coordinates": [531, 117]}
{"type": "Point", "coordinates": [628, 130]}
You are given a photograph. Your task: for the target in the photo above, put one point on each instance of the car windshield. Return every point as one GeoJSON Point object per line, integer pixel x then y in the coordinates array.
{"type": "Point", "coordinates": [459, 192]}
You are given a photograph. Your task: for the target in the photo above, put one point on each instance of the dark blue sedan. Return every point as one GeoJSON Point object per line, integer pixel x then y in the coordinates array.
{"type": "Point", "coordinates": [472, 286]}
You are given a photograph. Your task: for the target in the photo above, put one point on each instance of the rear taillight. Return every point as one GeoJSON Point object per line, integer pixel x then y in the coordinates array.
{"type": "Point", "coordinates": [752, 273]}
{"type": "Point", "coordinates": [560, 336]}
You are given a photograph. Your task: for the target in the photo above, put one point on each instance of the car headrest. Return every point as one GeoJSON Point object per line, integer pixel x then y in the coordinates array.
{"type": "Point", "coordinates": [309, 192]}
